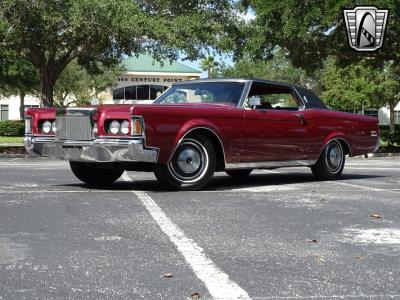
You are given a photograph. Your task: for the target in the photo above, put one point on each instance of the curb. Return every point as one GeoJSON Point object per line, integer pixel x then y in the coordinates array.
{"type": "Point", "coordinates": [12, 150]}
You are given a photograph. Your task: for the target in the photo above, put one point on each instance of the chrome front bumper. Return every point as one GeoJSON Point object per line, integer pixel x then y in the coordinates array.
{"type": "Point", "coordinates": [98, 150]}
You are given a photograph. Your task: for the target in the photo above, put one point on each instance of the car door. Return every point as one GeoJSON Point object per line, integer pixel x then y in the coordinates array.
{"type": "Point", "coordinates": [275, 132]}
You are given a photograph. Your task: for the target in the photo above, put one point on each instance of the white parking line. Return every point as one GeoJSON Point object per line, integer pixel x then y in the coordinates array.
{"type": "Point", "coordinates": [372, 168]}
{"type": "Point", "coordinates": [217, 282]}
{"type": "Point", "coordinates": [360, 296]}
{"type": "Point", "coordinates": [363, 187]}
{"type": "Point", "coordinates": [60, 191]}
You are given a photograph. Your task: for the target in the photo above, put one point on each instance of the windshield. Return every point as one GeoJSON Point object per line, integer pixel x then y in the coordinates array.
{"type": "Point", "coordinates": [203, 92]}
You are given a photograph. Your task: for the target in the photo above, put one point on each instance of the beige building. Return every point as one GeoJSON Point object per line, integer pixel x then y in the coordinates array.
{"type": "Point", "coordinates": [145, 79]}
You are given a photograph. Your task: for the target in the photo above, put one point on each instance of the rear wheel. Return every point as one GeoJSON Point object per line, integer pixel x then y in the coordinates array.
{"type": "Point", "coordinates": [88, 173]}
{"type": "Point", "coordinates": [238, 174]}
{"type": "Point", "coordinates": [192, 165]}
{"type": "Point", "coordinates": [331, 162]}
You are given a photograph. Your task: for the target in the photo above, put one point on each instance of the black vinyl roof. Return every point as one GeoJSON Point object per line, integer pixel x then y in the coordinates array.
{"type": "Point", "coordinates": [309, 99]}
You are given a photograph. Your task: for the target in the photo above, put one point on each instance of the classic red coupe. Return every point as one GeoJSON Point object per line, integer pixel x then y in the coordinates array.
{"type": "Point", "coordinates": [198, 127]}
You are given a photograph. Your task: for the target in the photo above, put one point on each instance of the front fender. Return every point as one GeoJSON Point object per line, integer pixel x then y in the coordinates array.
{"type": "Point", "coordinates": [190, 126]}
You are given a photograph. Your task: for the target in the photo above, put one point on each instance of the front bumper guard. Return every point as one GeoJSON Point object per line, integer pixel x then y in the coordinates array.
{"type": "Point", "coordinates": [98, 150]}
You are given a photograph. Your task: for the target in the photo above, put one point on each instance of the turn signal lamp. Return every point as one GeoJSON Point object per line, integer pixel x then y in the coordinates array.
{"type": "Point", "coordinates": [137, 126]}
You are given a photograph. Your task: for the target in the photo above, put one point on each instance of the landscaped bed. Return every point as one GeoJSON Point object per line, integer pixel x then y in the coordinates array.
{"type": "Point", "coordinates": [11, 139]}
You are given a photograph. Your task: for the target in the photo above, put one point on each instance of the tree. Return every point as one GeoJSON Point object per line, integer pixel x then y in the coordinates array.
{"type": "Point", "coordinates": [50, 34]}
{"type": "Point", "coordinates": [349, 88]}
{"type": "Point", "coordinates": [77, 86]}
{"type": "Point", "coordinates": [313, 30]}
{"type": "Point", "coordinates": [279, 68]}
{"type": "Point", "coordinates": [209, 65]}
{"type": "Point", "coordinates": [17, 77]}
{"type": "Point", "coordinates": [387, 89]}
{"type": "Point", "coordinates": [360, 85]}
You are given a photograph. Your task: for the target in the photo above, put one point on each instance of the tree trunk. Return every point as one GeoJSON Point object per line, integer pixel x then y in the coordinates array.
{"type": "Point", "coordinates": [391, 109]}
{"type": "Point", "coordinates": [47, 80]}
{"type": "Point", "coordinates": [21, 105]}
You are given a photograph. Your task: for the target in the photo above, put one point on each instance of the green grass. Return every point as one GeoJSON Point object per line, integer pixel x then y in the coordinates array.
{"type": "Point", "coordinates": [11, 139]}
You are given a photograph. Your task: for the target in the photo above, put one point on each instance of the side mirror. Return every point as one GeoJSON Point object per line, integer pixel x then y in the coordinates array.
{"type": "Point", "coordinates": [254, 101]}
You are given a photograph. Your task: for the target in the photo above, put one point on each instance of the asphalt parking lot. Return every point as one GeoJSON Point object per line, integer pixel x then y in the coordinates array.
{"type": "Point", "coordinates": [276, 235]}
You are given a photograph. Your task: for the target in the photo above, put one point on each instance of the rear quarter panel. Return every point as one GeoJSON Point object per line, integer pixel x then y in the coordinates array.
{"type": "Point", "coordinates": [361, 132]}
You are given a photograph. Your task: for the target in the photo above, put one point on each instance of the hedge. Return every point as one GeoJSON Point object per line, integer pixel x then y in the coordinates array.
{"type": "Point", "coordinates": [392, 138]}
{"type": "Point", "coordinates": [12, 128]}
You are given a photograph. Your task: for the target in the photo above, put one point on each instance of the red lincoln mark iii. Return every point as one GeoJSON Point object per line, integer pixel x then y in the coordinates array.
{"type": "Point", "coordinates": [196, 128]}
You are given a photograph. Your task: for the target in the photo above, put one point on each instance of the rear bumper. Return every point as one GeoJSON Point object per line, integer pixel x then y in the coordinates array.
{"type": "Point", "coordinates": [98, 150]}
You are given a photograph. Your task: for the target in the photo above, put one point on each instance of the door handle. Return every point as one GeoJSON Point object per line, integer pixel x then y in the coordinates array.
{"type": "Point", "coordinates": [301, 118]}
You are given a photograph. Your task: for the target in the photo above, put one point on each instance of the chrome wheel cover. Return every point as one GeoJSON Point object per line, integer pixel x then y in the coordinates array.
{"type": "Point", "coordinates": [189, 162]}
{"type": "Point", "coordinates": [334, 156]}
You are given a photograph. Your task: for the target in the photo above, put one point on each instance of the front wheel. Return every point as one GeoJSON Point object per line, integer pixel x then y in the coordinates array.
{"type": "Point", "coordinates": [89, 174]}
{"type": "Point", "coordinates": [192, 165]}
{"type": "Point", "coordinates": [331, 162]}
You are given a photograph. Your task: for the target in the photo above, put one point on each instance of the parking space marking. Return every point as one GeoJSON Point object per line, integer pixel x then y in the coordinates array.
{"type": "Point", "coordinates": [371, 168]}
{"type": "Point", "coordinates": [60, 191]}
{"type": "Point", "coordinates": [379, 236]}
{"type": "Point", "coordinates": [361, 296]}
{"type": "Point", "coordinates": [217, 282]}
{"type": "Point", "coordinates": [363, 187]}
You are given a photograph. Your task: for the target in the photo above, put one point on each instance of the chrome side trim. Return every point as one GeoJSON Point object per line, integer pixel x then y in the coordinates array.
{"type": "Point", "coordinates": [206, 128]}
{"type": "Point", "coordinates": [302, 105]}
{"type": "Point", "coordinates": [269, 164]}
{"type": "Point", "coordinates": [245, 93]}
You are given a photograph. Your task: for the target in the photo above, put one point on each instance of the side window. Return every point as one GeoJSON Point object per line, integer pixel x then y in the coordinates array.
{"type": "Point", "coordinates": [273, 96]}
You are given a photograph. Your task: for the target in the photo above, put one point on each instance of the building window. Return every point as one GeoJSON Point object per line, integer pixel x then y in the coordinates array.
{"type": "Point", "coordinates": [397, 116]}
{"type": "Point", "coordinates": [118, 94]}
{"type": "Point", "coordinates": [139, 92]}
{"type": "Point", "coordinates": [143, 92]}
{"type": "Point", "coordinates": [3, 112]}
{"type": "Point", "coordinates": [130, 92]}
{"type": "Point", "coordinates": [372, 113]}
{"type": "Point", "coordinates": [156, 90]}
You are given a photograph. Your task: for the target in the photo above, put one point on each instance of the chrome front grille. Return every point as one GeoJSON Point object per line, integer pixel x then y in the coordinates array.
{"type": "Point", "coordinates": [74, 127]}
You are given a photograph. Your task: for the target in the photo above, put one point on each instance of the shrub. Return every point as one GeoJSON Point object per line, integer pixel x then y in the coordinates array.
{"type": "Point", "coordinates": [12, 128]}
{"type": "Point", "coordinates": [391, 138]}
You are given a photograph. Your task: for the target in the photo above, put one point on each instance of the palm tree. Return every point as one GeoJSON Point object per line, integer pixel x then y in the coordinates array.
{"type": "Point", "coordinates": [209, 64]}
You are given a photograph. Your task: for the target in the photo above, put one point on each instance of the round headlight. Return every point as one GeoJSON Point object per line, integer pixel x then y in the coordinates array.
{"type": "Point", "coordinates": [114, 127]}
{"type": "Point", "coordinates": [53, 126]}
{"type": "Point", "coordinates": [46, 126]}
{"type": "Point", "coordinates": [125, 127]}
